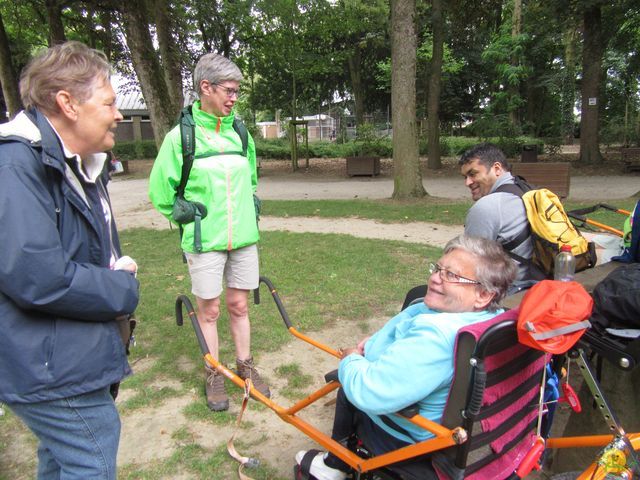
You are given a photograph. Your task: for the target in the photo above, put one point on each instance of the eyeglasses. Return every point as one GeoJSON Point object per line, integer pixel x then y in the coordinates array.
{"type": "Point", "coordinates": [231, 92]}
{"type": "Point", "coordinates": [450, 277]}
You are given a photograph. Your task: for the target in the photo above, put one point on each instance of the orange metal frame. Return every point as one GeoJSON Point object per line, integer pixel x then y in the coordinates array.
{"type": "Point", "coordinates": [443, 437]}
{"type": "Point", "coordinates": [577, 214]}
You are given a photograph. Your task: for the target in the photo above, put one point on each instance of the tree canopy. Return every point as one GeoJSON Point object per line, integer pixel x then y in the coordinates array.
{"type": "Point", "coordinates": [496, 67]}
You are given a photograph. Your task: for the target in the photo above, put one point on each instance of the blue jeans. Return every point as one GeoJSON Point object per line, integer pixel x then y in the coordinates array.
{"type": "Point", "coordinates": [78, 435]}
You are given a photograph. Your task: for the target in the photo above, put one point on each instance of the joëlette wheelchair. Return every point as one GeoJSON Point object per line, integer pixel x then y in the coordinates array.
{"type": "Point", "coordinates": [491, 423]}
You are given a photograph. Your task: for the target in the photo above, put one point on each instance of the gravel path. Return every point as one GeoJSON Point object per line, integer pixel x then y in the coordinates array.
{"type": "Point", "coordinates": [133, 209]}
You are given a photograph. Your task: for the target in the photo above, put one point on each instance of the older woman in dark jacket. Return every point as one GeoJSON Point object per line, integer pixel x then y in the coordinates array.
{"type": "Point", "coordinates": [62, 279]}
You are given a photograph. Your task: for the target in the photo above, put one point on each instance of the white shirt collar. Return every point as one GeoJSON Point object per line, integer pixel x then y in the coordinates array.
{"type": "Point", "coordinates": [92, 163]}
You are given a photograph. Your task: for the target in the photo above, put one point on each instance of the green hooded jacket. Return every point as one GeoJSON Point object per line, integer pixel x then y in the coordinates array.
{"type": "Point", "coordinates": [221, 178]}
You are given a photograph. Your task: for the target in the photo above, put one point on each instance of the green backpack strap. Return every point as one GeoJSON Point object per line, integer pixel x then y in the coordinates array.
{"type": "Point", "coordinates": [188, 138]}
{"type": "Point", "coordinates": [241, 130]}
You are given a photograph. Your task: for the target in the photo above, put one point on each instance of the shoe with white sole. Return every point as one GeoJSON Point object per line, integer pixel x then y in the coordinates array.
{"type": "Point", "coordinates": [318, 469]}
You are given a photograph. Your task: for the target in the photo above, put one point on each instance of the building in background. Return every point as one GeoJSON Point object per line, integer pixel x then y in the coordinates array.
{"type": "Point", "coordinates": [136, 124]}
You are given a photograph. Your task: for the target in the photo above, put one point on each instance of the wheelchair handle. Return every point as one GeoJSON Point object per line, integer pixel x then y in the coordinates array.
{"type": "Point", "coordinates": [276, 298]}
{"type": "Point", "coordinates": [184, 300]}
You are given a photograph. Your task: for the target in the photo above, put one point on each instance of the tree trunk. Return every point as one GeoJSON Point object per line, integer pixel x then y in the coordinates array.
{"type": "Point", "coordinates": [406, 164]}
{"type": "Point", "coordinates": [171, 61]}
{"type": "Point", "coordinates": [569, 84]}
{"type": "Point", "coordinates": [433, 105]}
{"type": "Point", "coordinates": [147, 67]}
{"type": "Point", "coordinates": [56, 27]}
{"type": "Point", "coordinates": [8, 78]}
{"type": "Point", "coordinates": [592, 53]}
{"type": "Point", "coordinates": [355, 66]}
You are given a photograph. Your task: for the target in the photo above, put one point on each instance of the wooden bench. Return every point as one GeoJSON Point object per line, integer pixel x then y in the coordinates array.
{"type": "Point", "coordinates": [554, 176]}
{"type": "Point", "coordinates": [630, 158]}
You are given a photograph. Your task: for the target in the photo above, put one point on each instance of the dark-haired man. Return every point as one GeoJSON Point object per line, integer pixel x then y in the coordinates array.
{"type": "Point", "coordinates": [498, 213]}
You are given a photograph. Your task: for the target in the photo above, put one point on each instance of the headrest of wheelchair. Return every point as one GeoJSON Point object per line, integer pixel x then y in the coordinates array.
{"type": "Point", "coordinates": [554, 315]}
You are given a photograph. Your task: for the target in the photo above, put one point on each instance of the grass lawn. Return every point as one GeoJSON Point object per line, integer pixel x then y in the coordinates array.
{"type": "Point", "coordinates": [425, 210]}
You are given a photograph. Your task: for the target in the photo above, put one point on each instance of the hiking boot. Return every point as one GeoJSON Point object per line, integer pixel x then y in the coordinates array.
{"type": "Point", "coordinates": [217, 399]}
{"type": "Point", "coordinates": [318, 469]}
{"type": "Point", "coordinates": [246, 369]}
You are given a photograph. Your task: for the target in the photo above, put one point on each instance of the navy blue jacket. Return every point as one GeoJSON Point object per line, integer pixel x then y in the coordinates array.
{"type": "Point", "coordinates": [58, 297]}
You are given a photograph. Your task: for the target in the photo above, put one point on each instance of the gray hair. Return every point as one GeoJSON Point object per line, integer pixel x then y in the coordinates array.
{"type": "Point", "coordinates": [487, 154]}
{"type": "Point", "coordinates": [216, 69]}
{"type": "Point", "coordinates": [495, 270]}
{"type": "Point", "coordinates": [70, 66]}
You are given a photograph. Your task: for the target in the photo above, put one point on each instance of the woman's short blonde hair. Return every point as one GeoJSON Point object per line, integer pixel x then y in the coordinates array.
{"type": "Point", "coordinates": [70, 66]}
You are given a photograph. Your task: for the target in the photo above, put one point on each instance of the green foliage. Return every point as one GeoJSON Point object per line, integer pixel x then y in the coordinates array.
{"type": "Point", "coordinates": [451, 146]}
{"type": "Point", "coordinates": [135, 150]}
{"type": "Point", "coordinates": [506, 54]}
{"type": "Point", "coordinates": [280, 149]}
{"type": "Point", "coordinates": [276, 149]}
{"type": "Point", "coordinates": [511, 146]}
{"type": "Point", "coordinates": [368, 142]}
{"type": "Point", "coordinates": [615, 130]}
{"type": "Point", "coordinates": [454, 146]}
{"type": "Point", "coordinates": [304, 55]}
{"type": "Point", "coordinates": [450, 64]}
{"type": "Point", "coordinates": [326, 149]}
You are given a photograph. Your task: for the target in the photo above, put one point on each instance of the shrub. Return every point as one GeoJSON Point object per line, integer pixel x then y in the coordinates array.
{"type": "Point", "coordinates": [135, 150]}
{"type": "Point", "coordinates": [276, 149]}
{"type": "Point", "coordinates": [382, 146]}
{"type": "Point", "coordinates": [280, 149]}
{"type": "Point", "coordinates": [456, 146]}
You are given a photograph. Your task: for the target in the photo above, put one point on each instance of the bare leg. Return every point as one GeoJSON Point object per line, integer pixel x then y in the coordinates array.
{"type": "Point", "coordinates": [237, 305]}
{"type": "Point", "coordinates": [208, 314]}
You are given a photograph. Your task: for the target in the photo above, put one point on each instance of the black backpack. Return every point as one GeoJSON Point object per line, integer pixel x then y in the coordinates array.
{"type": "Point", "coordinates": [617, 299]}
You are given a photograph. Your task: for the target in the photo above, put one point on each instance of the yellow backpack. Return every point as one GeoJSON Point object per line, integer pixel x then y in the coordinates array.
{"type": "Point", "coordinates": [550, 229]}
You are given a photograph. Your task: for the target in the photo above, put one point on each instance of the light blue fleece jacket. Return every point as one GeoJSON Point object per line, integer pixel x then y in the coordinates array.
{"type": "Point", "coordinates": [409, 360]}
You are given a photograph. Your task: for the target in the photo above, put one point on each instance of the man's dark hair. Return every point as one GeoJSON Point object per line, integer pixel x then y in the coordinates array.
{"type": "Point", "coordinates": [487, 154]}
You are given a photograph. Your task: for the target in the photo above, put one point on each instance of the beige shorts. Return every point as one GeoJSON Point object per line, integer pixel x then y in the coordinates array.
{"type": "Point", "coordinates": [239, 268]}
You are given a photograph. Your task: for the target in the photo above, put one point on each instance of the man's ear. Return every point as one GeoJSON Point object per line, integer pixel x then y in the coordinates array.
{"type": "Point", "coordinates": [498, 169]}
{"type": "Point", "coordinates": [67, 105]}
{"type": "Point", "coordinates": [483, 298]}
